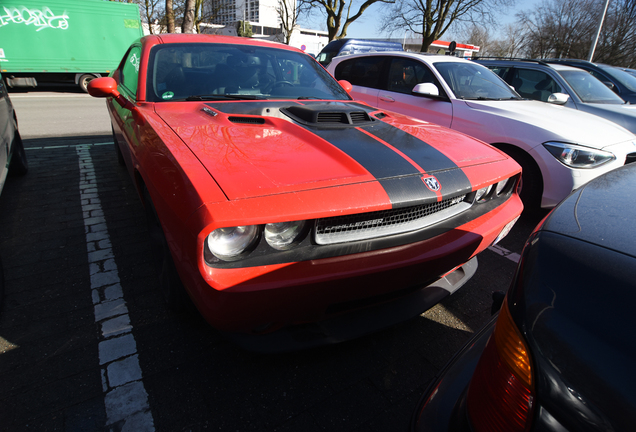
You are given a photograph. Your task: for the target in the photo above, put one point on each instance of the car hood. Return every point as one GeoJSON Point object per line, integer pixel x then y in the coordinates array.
{"type": "Point", "coordinates": [550, 122]}
{"type": "Point", "coordinates": [623, 114]}
{"type": "Point", "coordinates": [270, 147]}
{"type": "Point", "coordinates": [584, 215]}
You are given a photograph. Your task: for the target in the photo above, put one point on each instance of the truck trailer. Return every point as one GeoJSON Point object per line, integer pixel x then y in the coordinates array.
{"type": "Point", "coordinates": [64, 40]}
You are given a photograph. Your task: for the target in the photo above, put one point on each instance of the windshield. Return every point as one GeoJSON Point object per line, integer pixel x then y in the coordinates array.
{"type": "Point", "coordinates": [589, 89]}
{"type": "Point", "coordinates": [628, 80]}
{"type": "Point", "coordinates": [203, 71]}
{"type": "Point", "coordinates": [474, 82]}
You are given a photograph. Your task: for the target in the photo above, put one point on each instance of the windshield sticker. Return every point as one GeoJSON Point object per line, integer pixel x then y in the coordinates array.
{"type": "Point", "coordinates": [167, 95]}
{"type": "Point", "coordinates": [42, 19]}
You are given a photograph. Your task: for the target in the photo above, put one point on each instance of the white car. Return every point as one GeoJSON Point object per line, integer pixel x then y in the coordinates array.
{"type": "Point", "coordinates": [558, 148]}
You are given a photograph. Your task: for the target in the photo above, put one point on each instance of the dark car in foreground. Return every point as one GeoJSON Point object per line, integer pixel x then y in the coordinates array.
{"type": "Point", "coordinates": [560, 355]}
{"type": "Point", "coordinates": [292, 214]}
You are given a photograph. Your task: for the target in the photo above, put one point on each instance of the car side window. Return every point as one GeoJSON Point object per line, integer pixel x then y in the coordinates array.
{"type": "Point", "coordinates": [404, 74]}
{"type": "Point", "coordinates": [534, 84]}
{"type": "Point", "coordinates": [361, 71]}
{"type": "Point", "coordinates": [499, 70]}
{"type": "Point", "coordinates": [130, 70]}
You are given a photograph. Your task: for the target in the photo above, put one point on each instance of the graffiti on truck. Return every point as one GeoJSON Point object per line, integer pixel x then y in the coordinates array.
{"type": "Point", "coordinates": [39, 18]}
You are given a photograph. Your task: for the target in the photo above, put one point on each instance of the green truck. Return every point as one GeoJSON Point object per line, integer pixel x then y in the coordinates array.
{"type": "Point", "coordinates": [64, 40]}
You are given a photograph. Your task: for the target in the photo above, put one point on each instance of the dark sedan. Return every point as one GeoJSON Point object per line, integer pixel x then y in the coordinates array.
{"type": "Point", "coordinates": [560, 354]}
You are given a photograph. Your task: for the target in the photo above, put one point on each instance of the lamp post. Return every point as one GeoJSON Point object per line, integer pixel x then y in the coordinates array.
{"type": "Point", "coordinates": [600, 26]}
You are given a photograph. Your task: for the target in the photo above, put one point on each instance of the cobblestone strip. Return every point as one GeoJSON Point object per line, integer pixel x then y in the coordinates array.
{"type": "Point", "coordinates": [125, 397]}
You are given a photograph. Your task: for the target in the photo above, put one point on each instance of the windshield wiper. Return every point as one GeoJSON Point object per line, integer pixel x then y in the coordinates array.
{"type": "Point", "coordinates": [308, 97]}
{"type": "Point", "coordinates": [224, 96]}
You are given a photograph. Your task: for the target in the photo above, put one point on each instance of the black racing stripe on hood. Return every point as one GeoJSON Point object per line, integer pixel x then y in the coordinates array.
{"type": "Point", "coordinates": [381, 161]}
{"type": "Point", "coordinates": [422, 153]}
{"type": "Point", "coordinates": [432, 161]}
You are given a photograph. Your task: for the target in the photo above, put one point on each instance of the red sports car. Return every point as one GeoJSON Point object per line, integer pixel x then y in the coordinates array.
{"type": "Point", "coordinates": [291, 214]}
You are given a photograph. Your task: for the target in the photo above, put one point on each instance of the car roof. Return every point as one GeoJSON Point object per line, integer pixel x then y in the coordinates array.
{"type": "Point", "coordinates": [426, 57]}
{"type": "Point", "coordinates": [168, 38]}
{"type": "Point", "coordinates": [601, 212]}
{"type": "Point", "coordinates": [526, 62]}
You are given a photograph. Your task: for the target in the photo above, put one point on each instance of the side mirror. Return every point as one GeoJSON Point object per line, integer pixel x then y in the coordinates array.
{"type": "Point", "coordinates": [103, 87]}
{"type": "Point", "coordinates": [610, 85]}
{"type": "Point", "coordinates": [107, 87]}
{"type": "Point", "coordinates": [558, 98]}
{"type": "Point", "coordinates": [425, 89]}
{"type": "Point", "coordinates": [346, 85]}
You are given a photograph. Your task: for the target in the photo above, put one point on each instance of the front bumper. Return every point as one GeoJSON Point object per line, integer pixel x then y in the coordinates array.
{"type": "Point", "coordinates": [263, 299]}
{"type": "Point", "coordinates": [382, 313]}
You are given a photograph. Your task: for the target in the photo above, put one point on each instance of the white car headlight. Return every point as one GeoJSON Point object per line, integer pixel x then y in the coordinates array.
{"type": "Point", "coordinates": [575, 156]}
{"type": "Point", "coordinates": [231, 242]}
{"type": "Point", "coordinates": [283, 234]}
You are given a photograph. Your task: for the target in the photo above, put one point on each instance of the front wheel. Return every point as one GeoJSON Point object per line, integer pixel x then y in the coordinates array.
{"type": "Point", "coordinates": [531, 179]}
{"type": "Point", "coordinates": [170, 284]}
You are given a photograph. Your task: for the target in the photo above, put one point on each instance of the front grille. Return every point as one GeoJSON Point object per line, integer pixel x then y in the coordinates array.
{"type": "Point", "coordinates": [631, 158]}
{"type": "Point", "coordinates": [340, 229]}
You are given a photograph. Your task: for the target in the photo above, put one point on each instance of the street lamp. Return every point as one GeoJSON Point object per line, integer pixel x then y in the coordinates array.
{"type": "Point", "coordinates": [600, 25]}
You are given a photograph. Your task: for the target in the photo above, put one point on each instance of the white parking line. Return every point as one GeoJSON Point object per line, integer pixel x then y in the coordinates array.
{"type": "Point", "coordinates": [512, 256]}
{"type": "Point", "coordinates": [125, 397]}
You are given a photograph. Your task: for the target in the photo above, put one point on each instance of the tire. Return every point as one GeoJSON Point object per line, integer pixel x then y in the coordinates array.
{"type": "Point", "coordinates": [531, 178]}
{"type": "Point", "coordinates": [120, 156]}
{"type": "Point", "coordinates": [84, 80]}
{"type": "Point", "coordinates": [170, 284]}
{"type": "Point", "coordinates": [19, 164]}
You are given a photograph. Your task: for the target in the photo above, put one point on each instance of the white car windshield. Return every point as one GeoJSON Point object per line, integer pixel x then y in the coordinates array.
{"type": "Point", "coordinates": [590, 89]}
{"type": "Point", "coordinates": [474, 82]}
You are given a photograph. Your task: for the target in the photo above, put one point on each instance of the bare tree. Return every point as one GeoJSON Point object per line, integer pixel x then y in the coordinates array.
{"type": "Point", "coordinates": [288, 13]}
{"type": "Point", "coordinates": [170, 16]}
{"type": "Point", "coordinates": [433, 18]}
{"type": "Point", "coordinates": [188, 17]}
{"type": "Point", "coordinates": [339, 13]}
{"type": "Point", "coordinates": [561, 28]}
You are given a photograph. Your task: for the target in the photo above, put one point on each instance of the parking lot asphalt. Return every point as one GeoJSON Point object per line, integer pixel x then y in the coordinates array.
{"type": "Point", "coordinates": [68, 362]}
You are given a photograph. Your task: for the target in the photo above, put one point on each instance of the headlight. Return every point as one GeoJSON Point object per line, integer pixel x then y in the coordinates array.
{"type": "Point", "coordinates": [576, 156]}
{"type": "Point", "coordinates": [283, 234]}
{"type": "Point", "coordinates": [501, 186]}
{"type": "Point", "coordinates": [231, 242]}
{"type": "Point", "coordinates": [482, 193]}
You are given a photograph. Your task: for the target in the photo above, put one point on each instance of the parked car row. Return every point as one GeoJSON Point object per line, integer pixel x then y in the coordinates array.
{"type": "Point", "coordinates": [564, 85]}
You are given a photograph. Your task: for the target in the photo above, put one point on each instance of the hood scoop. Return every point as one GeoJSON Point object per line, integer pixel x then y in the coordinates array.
{"type": "Point", "coordinates": [328, 116]}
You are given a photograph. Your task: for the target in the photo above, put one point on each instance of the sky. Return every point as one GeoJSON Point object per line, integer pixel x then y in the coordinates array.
{"type": "Point", "coordinates": [368, 26]}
